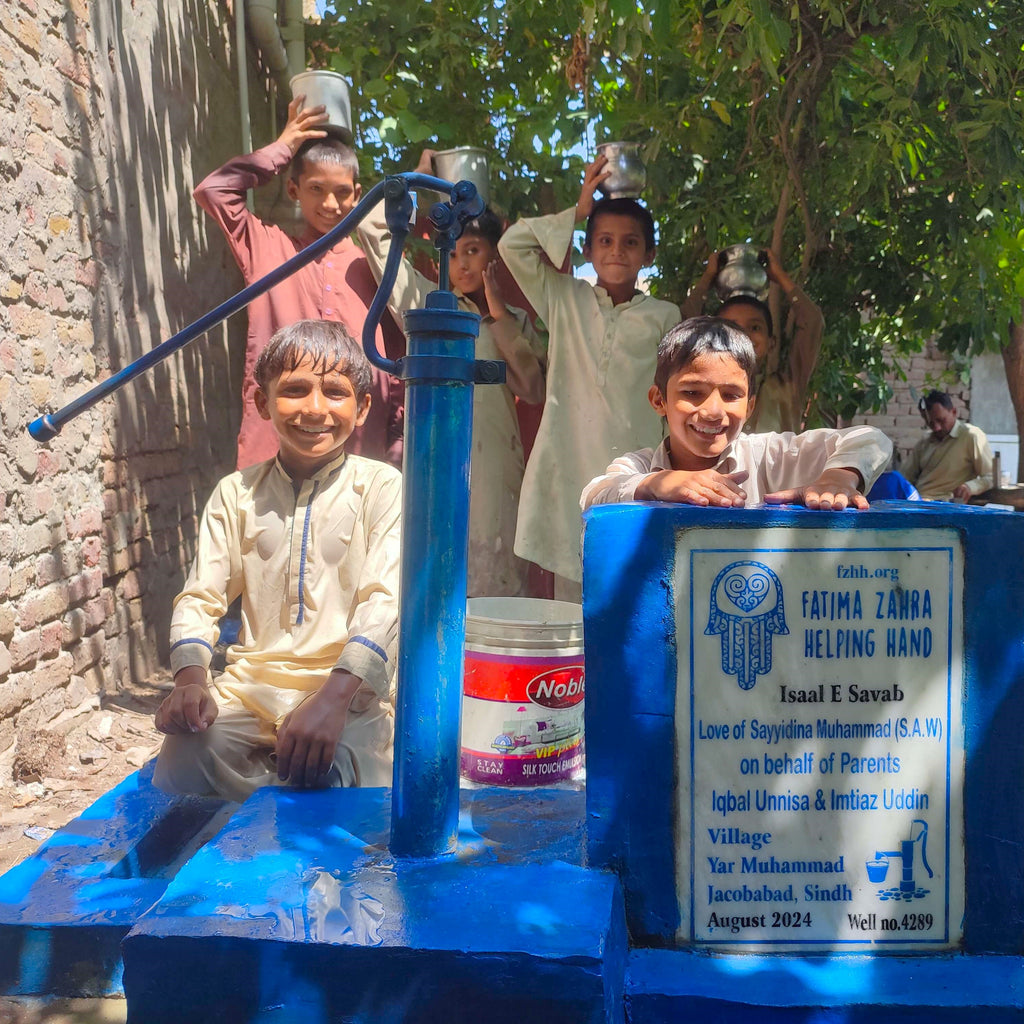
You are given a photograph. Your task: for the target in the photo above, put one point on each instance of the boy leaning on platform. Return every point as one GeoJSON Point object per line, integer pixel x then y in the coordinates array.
{"type": "Point", "coordinates": [703, 390]}
{"type": "Point", "coordinates": [310, 542]}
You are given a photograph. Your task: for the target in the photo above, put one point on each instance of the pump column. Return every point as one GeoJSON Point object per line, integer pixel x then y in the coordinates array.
{"type": "Point", "coordinates": [438, 372]}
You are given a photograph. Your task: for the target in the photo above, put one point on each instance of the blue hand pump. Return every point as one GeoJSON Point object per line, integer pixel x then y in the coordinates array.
{"type": "Point", "coordinates": [440, 371]}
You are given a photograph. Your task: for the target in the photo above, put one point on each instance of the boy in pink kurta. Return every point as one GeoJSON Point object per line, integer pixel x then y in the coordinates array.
{"type": "Point", "coordinates": [336, 286]}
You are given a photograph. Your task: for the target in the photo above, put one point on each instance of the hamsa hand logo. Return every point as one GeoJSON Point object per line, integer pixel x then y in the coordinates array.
{"type": "Point", "coordinates": [747, 609]}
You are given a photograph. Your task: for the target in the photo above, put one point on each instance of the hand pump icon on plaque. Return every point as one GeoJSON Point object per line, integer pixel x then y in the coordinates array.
{"type": "Point", "coordinates": [878, 868]}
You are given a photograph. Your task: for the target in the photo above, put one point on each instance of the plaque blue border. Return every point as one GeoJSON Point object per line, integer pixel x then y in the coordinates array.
{"type": "Point", "coordinates": [876, 943]}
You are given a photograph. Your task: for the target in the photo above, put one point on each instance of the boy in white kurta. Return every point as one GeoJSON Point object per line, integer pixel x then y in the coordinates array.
{"type": "Point", "coordinates": [602, 345]}
{"type": "Point", "coordinates": [496, 469]}
{"type": "Point", "coordinates": [310, 540]}
{"type": "Point", "coordinates": [702, 388]}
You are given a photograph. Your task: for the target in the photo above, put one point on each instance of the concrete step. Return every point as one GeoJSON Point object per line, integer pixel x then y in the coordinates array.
{"type": "Point", "coordinates": [666, 986]}
{"type": "Point", "coordinates": [65, 909]}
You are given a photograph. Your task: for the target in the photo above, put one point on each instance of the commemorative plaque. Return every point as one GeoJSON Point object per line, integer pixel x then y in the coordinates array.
{"type": "Point", "coordinates": [819, 739]}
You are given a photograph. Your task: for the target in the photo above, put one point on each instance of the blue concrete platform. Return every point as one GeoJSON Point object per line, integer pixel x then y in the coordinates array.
{"type": "Point", "coordinates": [65, 909]}
{"type": "Point", "coordinates": [297, 911]}
{"type": "Point", "coordinates": [631, 656]}
{"type": "Point", "coordinates": [666, 986]}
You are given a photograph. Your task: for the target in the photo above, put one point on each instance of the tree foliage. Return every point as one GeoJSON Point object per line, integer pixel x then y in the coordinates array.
{"type": "Point", "coordinates": [876, 144]}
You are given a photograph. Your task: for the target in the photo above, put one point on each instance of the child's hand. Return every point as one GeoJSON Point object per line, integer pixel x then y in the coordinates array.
{"type": "Point", "coordinates": [777, 273]}
{"type": "Point", "coordinates": [704, 487]}
{"type": "Point", "coordinates": [493, 291]}
{"type": "Point", "coordinates": [426, 162]}
{"type": "Point", "coordinates": [307, 738]}
{"type": "Point", "coordinates": [834, 490]}
{"type": "Point", "coordinates": [303, 123]}
{"type": "Point", "coordinates": [710, 270]}
{"type": "Point", "coordinates": [189, 707]}
{"type": "Point", "coordinates": [594, 174]}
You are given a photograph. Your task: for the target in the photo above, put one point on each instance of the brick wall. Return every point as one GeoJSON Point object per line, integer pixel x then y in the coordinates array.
{"type": "Point", "coordinates": [926, 371]}
{"type": "Point", "coordinates": [111, 111]}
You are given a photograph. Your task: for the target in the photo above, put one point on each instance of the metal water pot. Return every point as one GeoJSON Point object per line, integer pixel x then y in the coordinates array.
{"type": "Point", "coordinates": [465, 163]}
{"type": "Point", "coordinates": [741, 271]}
{"type": "Point", "coordinates": [629, 174]}
{"type": "Point", "coordinates": [331, 90]}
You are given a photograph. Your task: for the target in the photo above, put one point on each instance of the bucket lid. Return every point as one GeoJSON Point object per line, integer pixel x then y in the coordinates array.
{"type": "Point", "coordinates": [524, 623]}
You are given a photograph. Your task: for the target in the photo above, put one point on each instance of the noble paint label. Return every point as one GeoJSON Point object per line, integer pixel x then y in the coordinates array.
{"type": "Point", "coordinates": [819, 739]}
{"type": "Point", "coordinates": [522, 719]}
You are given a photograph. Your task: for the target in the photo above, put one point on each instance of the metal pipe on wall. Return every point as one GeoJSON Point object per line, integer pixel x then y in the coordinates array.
{"type": "Point", "coordinates": [243, 80]}
{"type": "Point", "coordinates": [241, 52]}
{"type": "Point", "coordinates": [293, 33]}
{"type": "Point", "coordinates": [282, 46]}
{"type": "Point", "coordinates": [282, 60]}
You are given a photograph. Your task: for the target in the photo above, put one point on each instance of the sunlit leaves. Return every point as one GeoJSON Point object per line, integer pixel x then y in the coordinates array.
{"type": "Point", "coordinates": [842, 128]}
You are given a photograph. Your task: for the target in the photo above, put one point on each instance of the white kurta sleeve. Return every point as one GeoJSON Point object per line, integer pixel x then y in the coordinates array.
{"type": "Point", "coordinates": [214, 581]}
{"type": "Point", "coordinates": [411, 287]}
{"type": "Point", "coordinates": [372, 646]}
{"type": "Point", "coordinates": [523, 247]}
{"type": "Point", "coordinates": [619, 481]}
{"type": "Point", "coordinates": [796, 460]}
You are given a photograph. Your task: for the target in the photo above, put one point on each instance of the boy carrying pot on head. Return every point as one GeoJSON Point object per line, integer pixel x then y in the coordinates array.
{"type": "Point", "coordinates": [602, 346]}
{"type": "Point", "coordinates": [784, 370]}
{"type": "Point", "coordinates": [496, 469]}
{"type": "Point", "coordinates": [323, 178]}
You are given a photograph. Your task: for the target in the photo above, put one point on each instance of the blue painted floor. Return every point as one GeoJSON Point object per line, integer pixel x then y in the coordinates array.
{"type": "Point", "coordinates": [297, 908]}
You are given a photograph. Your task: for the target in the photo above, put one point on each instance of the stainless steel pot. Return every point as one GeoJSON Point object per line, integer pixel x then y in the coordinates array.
{"type": "Point", "coordinates": [331, 90]}
{"type": "Point", "coordinates": [629, 174]}
{"type": "Point", "coordinates": [465, 163]}
{"type": "Point", "coordinates": [741, 272]}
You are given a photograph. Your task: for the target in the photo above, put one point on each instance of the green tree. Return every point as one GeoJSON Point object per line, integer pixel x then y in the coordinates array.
{"type": "Point", "coordinates": [876, 145]}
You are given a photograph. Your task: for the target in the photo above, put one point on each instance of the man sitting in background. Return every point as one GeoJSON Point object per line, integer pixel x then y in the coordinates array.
{"type": "Point", "coordinates": [954, 461]}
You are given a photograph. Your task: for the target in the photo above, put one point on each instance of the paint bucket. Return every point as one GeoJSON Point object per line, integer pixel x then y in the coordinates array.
{"type": "Point", "coordinates": [522, 706]}
{"type": "Point", "coordinates": [330, 89]}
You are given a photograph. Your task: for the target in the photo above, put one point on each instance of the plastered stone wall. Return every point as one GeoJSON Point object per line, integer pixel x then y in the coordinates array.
{"type": "Point", "coordinates": [901, 422]}
{"type": "Point", "coordinates": [111, 111]}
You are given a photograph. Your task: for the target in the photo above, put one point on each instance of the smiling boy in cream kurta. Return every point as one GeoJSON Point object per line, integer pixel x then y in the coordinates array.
{"type": "Point", "coordinates": [310, 541]}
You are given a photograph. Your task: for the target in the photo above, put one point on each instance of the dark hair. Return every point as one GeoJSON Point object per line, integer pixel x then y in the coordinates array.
{"type": "Point", "coordinates": [934, 398]}
{"type": "Point", "coordinates": [749, 300]}
{"type": "Point", "coordinates": [702, 336]}
{"type": "Point", "coordinates": [623, 208]}
{"type": "Point", "coordinates": [327, 342]}
{"type": "Point", "coordinates": [331, 152]}
{"type": "Point", "coordinates": [487, 226]}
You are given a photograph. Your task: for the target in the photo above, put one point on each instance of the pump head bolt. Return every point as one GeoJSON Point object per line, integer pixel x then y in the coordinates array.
{"type": "Point", "coordinates": [441, 216]}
